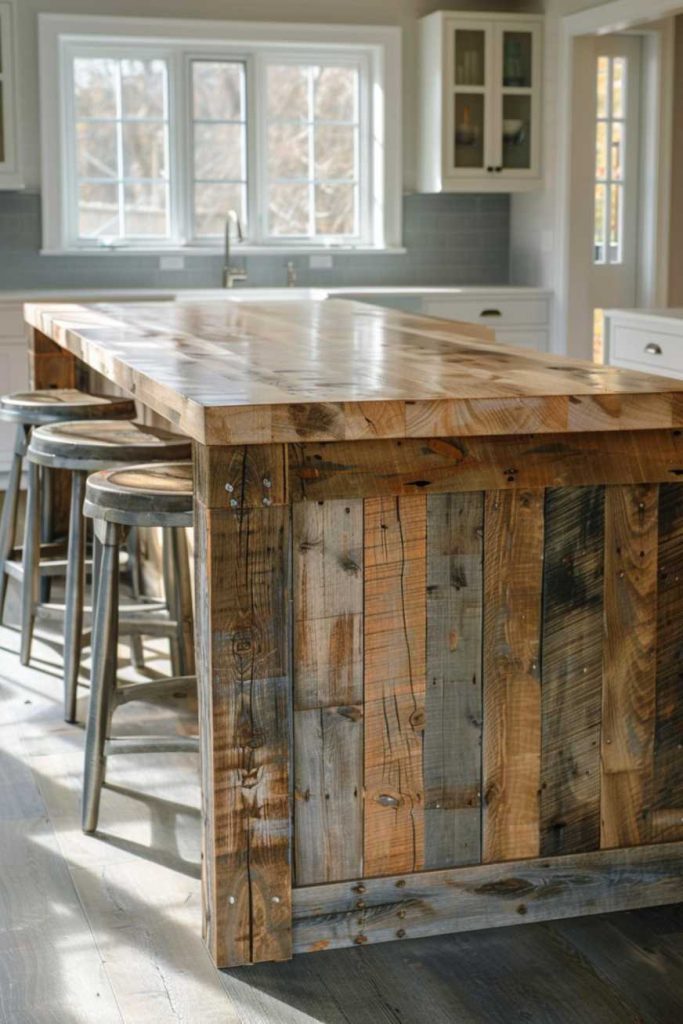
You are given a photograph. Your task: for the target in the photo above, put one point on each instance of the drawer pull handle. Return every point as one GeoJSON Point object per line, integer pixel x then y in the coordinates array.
{"type": "Point", "coordinates": [653, 349]}
{"type": "Point", "coordinates": [490, 312]}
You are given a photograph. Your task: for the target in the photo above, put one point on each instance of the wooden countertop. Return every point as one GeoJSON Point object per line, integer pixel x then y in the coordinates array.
{"type": "Point", "coordinates": [252, 373]}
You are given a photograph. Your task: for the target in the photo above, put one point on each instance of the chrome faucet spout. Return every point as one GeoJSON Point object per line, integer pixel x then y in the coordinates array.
{"type": "Point", "coordinates": [232, 274]}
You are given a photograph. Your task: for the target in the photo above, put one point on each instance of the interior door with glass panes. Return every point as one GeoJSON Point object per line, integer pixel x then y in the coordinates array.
{"type": "Point", "coordinates": [517, 58]}
{"type": "Point", "coordinates": [615, 197]}
{"type": "Point", "coordinates": [471, 51]}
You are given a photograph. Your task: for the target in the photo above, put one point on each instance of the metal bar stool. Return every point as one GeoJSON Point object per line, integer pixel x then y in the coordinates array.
{"type": "Point", "coordinates": [83, 447]}
{"type": "Point", "coordinates": [34, 408]}
{"type": "Point", "coordinates": [116, 500]}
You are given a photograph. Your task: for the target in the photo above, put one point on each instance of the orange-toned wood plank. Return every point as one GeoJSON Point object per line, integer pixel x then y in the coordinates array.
{"type": "Point", "coordinates": [513, 566]}
{"type": "Point", "coordinates": [394, 643]}
{"type": "Point", "coordinates": [629, 664]}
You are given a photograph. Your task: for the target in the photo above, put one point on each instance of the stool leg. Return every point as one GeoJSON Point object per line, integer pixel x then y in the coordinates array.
{"type": "Point", "coordinates": [8, 522]}
{"type": "Point", "coordinates": [170, 594]}
{"type": "Point", "coordinates": [137, 655]}
{"type": "Point", "coordinates": [103, 673]}
{"type": "Point", "coordinates": [73, 601]}
{"type": "Point", "coordinates": [31, 562]}
{"type": "Point", "coordinates": [46, 533]}
{"type": "Point", "coordinates": [183, 592]}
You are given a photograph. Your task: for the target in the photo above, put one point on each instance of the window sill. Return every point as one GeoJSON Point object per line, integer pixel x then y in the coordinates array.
{"type": "Point", "coordinates": [236, 251]}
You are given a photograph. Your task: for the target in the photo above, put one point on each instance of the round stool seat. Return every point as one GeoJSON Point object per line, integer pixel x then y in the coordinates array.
{"type": "Point", "coordinates": [90, 445]}
{"type": "Point", "coordinates": [50, 404]}
{"type": "Point", "coordinates": [156, 494]}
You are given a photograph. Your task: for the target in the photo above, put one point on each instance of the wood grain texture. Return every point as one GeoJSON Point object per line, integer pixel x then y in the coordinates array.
{"type": "Point", "coordinates": [328, 603]}
{"type": "Point", "coordinates": [629, 664]}
{"type": "Point", "coordinates": [328, 794]}
{"type": "Point", "coordinates": [486, 896]}
{"type": "Point", "coordinates": [453, 719]}
{"type": "Point", "coordinates": [245, 713]}
{"type": "Point", "coordinates": [261, 372]}
{"type": "Point", "coordinates": [394, 644]}
{"type": "Point", "coordinates": [513, 563]}
{"type": "Point", "coordinates": [328, 690]}
{"type": "Point", "coordinates": [666, 812]}
{"type": "Point", "coordinates": [571, 670]}
{"type": "Point", "coordinates": [444, 464]}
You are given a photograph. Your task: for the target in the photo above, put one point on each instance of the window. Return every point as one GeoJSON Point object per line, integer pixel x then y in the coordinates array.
{"type": "Point", "coordinates": [160, 138]}
{"type": "Point", "coordinates": [609, 159]}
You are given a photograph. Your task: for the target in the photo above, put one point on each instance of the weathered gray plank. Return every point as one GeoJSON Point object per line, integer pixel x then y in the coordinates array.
{"type": "Point", "coordinates": [485, 896]}
{"type": "Point", "coordinates": [571, 670]}
{"type": "Point", "coordinates": [328, 794]}
{"type": "Point", "coordinates": [453, 711]}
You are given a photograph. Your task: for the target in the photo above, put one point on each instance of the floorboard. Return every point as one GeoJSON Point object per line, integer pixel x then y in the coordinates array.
{"type": "Point", "coordinates": [107, 928]}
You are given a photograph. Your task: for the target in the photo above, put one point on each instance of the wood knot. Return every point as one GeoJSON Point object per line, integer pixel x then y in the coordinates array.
{"type": "Point", "coordinates": [417, 719]}
{"type": "Point", "coordinates": [387, 800]}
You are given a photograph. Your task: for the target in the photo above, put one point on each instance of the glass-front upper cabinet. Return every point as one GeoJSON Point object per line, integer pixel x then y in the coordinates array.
{"type": "Point", "coordinates": [10, 177]}
{"type": "Point", "coordinates": [480, 102]}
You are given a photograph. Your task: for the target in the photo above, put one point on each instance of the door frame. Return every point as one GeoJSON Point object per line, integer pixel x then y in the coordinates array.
{"type": "Point", "coordinates": [573, 318]}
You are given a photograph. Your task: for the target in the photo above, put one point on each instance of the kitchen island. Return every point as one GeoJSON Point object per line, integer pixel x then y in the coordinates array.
{"type": "Point", "coordinates": [438, 593]}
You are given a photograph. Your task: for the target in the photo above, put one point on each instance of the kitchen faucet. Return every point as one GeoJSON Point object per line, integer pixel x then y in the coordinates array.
{"type": "Point", "coordinates": [231, 274]}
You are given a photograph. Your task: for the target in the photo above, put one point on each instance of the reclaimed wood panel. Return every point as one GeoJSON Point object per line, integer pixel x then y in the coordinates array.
{"type": "Point", "coordinates": [439, 465]}
{"type": "Point", "coordinates": [513, 565]}
{"type": "Point", "coordinates": [394, 645]}
{"type": "Point", "coordinates": [485, 896]}
{"type": "Point", "coordinates": [666, 813]}
{"type": "Point", "coordinates": [629, 664]}
{"type": "Point", "coordinates": [571, 670]}
{"type": "Point", "coordinates": [245, 703]}
{"type": "Point", "coordinates": [328, 603]}
{"type": "Point", "coordinates": [328, 690]}
{"type": "Point", "coordinates": [453, 718]}
{"type": "Point", "coordinates": [328, 794]}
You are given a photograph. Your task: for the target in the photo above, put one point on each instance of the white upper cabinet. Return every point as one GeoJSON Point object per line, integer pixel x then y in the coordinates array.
{"type": "Point", "coordinates": [480, 105]}
{"type": "Point", "coordinates": [10, 177]}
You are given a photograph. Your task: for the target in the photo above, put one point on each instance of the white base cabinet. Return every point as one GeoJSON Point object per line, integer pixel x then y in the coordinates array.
{"type": "Point", "coordinates": [650, 340]}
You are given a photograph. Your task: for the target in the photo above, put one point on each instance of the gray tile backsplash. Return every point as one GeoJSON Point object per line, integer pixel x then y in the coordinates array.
{"type": "Point", "coordinates": [450, 239]}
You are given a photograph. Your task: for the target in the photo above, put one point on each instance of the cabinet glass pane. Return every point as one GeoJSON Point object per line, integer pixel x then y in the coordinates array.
{"type": "Point", "coordinates": [517, 60]}
{"type": "Point", "coordinates": [468, 150]}
{"type": "Point", "coordinates": [517, 132]}
{"type": "Point", "coordinates": [470, 51]}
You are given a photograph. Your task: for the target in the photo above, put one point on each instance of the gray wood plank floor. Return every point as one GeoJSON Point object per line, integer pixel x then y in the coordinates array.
{"type": "Point", "coordinates": [107, 928]}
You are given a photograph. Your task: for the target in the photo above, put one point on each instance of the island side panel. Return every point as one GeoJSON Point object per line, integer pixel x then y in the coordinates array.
{"type": "Point", "coordinates": [244, 678]}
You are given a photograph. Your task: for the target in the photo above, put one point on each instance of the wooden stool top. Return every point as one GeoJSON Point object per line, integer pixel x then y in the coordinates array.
{"type": "Point", "coordinates": [91, 445]}
{"type": "Point", "coordinates": [53, 404]}
{"type": "Point", "coordinates": [156, 494]}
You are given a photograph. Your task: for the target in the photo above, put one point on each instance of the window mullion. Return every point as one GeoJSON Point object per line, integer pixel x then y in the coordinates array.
{"type": "Point", "coordinates": [311, 153]}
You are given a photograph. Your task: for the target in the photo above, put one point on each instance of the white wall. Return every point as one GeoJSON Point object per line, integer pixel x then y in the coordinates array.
{"type": "Point", "coordinates": [370, 12]}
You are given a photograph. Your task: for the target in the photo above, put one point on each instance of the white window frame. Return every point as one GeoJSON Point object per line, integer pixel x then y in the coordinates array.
{"type": "Point", "coordinates": [376, 49]}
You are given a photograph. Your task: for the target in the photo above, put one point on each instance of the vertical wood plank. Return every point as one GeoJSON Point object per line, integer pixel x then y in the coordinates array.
{"type": "Point", "coordinates": [328, 690]}
{"type": "Point", "coordinates": [666, 819]}
{"type": "Point", "coordinates": [242, 574]}
{"type": "Point", "coordinates": [452, 739]}
{"type": "Point", "coordinates": [394, 645]}
{"type": "Point", "coordinates": [328, 603]}
{"type": "Point", "coordinates": [629, 664]}
{"type": "Point", "coordinates": [328, 794]}
{"type": "Point", "coordinates": [513, 561]}
{"type": "Point", "coordinates": [571, 672]}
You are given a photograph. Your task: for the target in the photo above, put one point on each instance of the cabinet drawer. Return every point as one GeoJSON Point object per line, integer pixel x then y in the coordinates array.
{"type": "Point", "coordinates": [655, 350]}
{"type": "Point", "coordinates": [491, 311]}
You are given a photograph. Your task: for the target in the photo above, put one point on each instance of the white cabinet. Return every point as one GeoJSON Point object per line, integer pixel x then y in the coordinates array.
{"type": "Point", "coordinates": [518, 316]}
{"type": "Point", "coordinates": [10, 177]}
{"type": "Point", "coordinates": [480, 102]}
{"type": "Point", "coordinates": [646, 340]}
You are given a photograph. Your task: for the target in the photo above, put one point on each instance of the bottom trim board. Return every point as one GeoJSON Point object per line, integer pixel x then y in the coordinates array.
{"type": "Point", "coordinates": [367, 910]}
